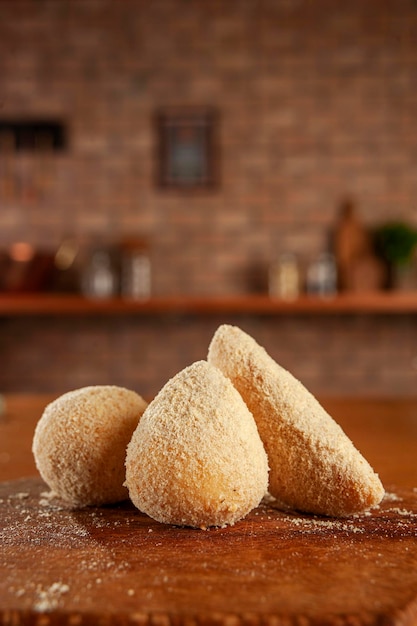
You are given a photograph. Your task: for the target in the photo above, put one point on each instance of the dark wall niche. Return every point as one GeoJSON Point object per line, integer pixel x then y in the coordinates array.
{"type": "Point", "coordinates": [32, 135]}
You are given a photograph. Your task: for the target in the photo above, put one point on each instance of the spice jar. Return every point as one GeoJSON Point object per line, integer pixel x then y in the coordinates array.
{"type": "Point", "coordinates": [322, 276]}
{"type": "Point", "coordinates": [284, 277]}
{"type": "Point", "coordinates": [135, 270]}
{"type": "Point", "coordinates": [100, 277]}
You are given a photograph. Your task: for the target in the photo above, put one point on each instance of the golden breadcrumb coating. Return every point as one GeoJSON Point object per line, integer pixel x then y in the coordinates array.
{"type": "Point", "coordinates": [80, 443]}
{"type": "Point", "coordinates": [314, 466]}
{"type": "Point", "coordinates": [196, 458]}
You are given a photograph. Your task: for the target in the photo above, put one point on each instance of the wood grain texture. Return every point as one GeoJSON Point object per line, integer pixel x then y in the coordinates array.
{"type": "Point", "coordinates": [114, 565]}
{"type": "Point", "coordinates": [372, 302]}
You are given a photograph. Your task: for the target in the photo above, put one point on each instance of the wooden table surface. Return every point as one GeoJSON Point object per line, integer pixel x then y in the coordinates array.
{"type": "Point", "coordinates": [115, 565]}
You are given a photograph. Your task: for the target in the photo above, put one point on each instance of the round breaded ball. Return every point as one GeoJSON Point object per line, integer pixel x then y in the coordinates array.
{"type": "Point", "coordinates": [80, 443]}
{"type": "Point", "coordinates": [196, 458]}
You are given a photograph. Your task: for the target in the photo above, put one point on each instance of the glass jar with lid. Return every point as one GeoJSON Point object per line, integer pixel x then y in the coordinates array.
{"type": "Point", "coordinates": [284, 277]}
{"type": "Point", "coordinates": [99, 278]}
{"type": "Point", "coordinates": [135, 269]}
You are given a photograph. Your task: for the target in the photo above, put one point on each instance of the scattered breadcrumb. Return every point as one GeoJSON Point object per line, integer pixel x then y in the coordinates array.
{"type": "Point", "coordinates": [48, 599]}
{"type": "Point", "coordinates": [392, 497]}
{"type": "Point", "coordinates": [20, 496]}
{"type": "Point", "coordinates": [402, 512]}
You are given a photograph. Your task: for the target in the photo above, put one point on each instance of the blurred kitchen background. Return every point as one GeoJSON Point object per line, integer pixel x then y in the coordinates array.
{"type": "Point", "coordinates": [155, 148]}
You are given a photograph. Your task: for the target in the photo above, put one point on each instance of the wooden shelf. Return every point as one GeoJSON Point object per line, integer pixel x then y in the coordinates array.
{"type": "Point", "coordinates": [62, 304]}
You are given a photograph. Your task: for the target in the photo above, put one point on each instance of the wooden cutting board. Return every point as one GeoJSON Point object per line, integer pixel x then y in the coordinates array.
{"type": "Point", "coordinates": [114, 565]}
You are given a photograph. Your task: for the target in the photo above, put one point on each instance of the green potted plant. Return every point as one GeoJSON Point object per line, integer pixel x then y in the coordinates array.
{"type": "Point", "coordinates": [396, 242]}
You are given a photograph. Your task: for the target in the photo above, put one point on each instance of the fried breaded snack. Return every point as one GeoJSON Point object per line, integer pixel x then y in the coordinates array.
{"type": "Point", "coordinates": [80, 443]}
{"type": "Point", "coordinates": [196, 458]}
{"type": "Point", "coordinates": [314, 467]}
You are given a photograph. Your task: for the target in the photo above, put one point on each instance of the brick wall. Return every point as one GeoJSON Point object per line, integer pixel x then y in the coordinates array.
{"type": "Point", "coordinates": [341, 355]}
{"type": "Point", "coordinates": [317, 101]}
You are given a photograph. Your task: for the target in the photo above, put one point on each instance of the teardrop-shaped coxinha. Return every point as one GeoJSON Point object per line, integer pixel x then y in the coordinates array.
{"type": "Point", "coordinates": [314, 467]}
{"type": "Point", "coordinates": [196, 458]}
